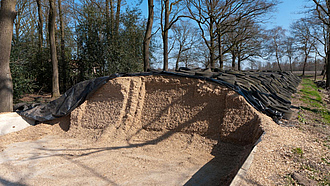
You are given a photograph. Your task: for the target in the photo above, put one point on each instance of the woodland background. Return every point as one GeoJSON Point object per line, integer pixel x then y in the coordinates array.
{"type": "Point", "coordinates": [96, 38]}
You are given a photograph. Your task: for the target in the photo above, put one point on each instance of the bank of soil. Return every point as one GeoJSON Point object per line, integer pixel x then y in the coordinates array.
{"type": "Point", "coordinates": [163, 131]}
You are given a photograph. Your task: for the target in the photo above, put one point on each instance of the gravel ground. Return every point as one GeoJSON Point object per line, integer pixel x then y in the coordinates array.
{"type": "Point", "coordinates": [290, 153]}
{"type": "Point", "coordinates": [294, 152]}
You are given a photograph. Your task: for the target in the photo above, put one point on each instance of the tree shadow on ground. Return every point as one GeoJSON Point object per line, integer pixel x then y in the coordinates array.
{"type": "Point", "coordinates": [228, 157]}
{"type": "Point", "coordinates": [221, 170]}
{"type": "Point", "coordinates": [9, 183]}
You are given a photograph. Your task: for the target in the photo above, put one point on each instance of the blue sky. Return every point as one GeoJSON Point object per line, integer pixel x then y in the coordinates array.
{"type": "Point", "coordinates": [287, 12]}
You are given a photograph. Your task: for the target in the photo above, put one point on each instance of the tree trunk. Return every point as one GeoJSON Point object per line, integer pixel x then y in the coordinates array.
{"type": "Point", "coordinates": [290, 61]}
{"type": "Point", "coordinates": [233, 60]}
{"type": "Point", "coordinates": [220, 51]}
{"type": "Point", "coordinates": [324, 67]}
{"type": "Point", "coordinates": [212, 61]}
{"type": "Point", "coordinates": [112, 18]}
{"type": "Point", "coordinates": [40, 25]}
{"type": "Point", "coordinates": [7, 16]}
{"type": "Point", "coordinates": [327, 83]}
{"type": "Point", "coordinates": [17, 27]}
{"type": "Point", "coordinates": [147, 36]}
{"type": "Point", "coordinates": [165, 34]}
{"type": "Point", "coordinates": [276, 54]}
{"type": "Point", "coordinates": [239, 60]}
{"type": "Point", "coordinates": [305, 61]}
{"type": "Point", "coordinates": [107, 17]}
{"type": "Point", "coordinates": [117, 18]}
{"type": "Point", "coordinates": [63, 60]}
{"type": "Point", "coordinates": [278, 62]}
{"type": "Point", "coordinates": [52, 43]}
{"type": "Point", "coordinates": [212, 55]}
{"type": "Point", "coordinates": [315, 67]}
{"type": "Point", "coordinates": [178, 58]}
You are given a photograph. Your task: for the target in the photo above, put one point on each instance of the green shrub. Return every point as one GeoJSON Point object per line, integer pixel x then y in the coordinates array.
{"type": "Point", "coordinates": [22, 82]}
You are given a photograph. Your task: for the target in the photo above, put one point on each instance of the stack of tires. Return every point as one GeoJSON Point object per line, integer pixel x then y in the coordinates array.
{"type": "Point", "coordinates": [267, 91]}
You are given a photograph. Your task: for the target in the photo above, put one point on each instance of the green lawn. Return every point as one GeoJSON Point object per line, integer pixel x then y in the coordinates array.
{"type": "Point", "coordinates": [313, 98]}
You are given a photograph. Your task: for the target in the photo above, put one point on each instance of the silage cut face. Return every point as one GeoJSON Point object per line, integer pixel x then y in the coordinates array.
{"type": "Point", "coordinates": [165, 103]}
{"type": "Point", "coordinates": [171, 123]}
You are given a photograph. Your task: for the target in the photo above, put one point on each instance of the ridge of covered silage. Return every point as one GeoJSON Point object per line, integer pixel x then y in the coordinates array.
{"type": "Point", "coordinates": [268, 92]}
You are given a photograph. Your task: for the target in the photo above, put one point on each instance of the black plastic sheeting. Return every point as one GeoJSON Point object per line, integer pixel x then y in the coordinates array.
{"type": "Point", "coordinates": [62, 106]}
{"type": "Point", "coordinates": [268, 92]}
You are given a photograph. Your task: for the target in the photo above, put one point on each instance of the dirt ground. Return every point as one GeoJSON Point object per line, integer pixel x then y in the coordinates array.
{"type": "Point", "coordinates": [61, 154]}
{"type": "Point", "coordinates": [293, 152]}
{"type": "Point", "coordinates": [136, 131]}
{"type": "Point", "coordinates": [46, 157]}
{"type": "Point", "coordinates": [36, 98]}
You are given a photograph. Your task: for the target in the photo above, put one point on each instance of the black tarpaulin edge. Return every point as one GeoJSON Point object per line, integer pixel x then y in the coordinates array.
{"type": "Point", "coordinates": [78, 93]}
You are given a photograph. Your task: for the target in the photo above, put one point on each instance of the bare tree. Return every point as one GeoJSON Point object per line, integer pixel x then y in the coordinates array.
{"type": "Point", "coordinates": [320, 34]}
{"type": "Point", "coordinates": [63, 59]}
{"type": "Point", "coordinates": [22, 7]}
{"type": "Point", "coordinates": [243, 41]}
{"type": "Point", "coordinates": [240, 11]}
{"type": "Point", "coordinates": [107, 17]}
{"type": "Point", "coordinates": [217, 17]}
{"type": "Point", "coordinates": [323, 10]}
{"type": "Point", "coordinates": [168, 9]}
{"type": "Point", "coordinates": [249, 49]}
{"type": "Point", "coordinates": [147, 36]}
{"type": "Point", "coordinates": [116, 27]}
{"type": "Point", "coordinates": [22, 24]}
{"type": "Point", "coordinates": [40, 25]}
{"type": "Point", "coordinates": [275, 46]}
{"type": "Point", "coordinates": [186, 37]}
{"type": "Point", "coordinates": [7, 16]}
{"type": "Point", "coordinates": [112, 18]}
{"type": "Point", "coordinates": [53, 53]}
{"type": "Point", "coordinates": [165, 33]}
{"type": "Point", "coordinates": [289, 49]}
{"type": "Point", "coordinates": [302, 33]}
{"type": "Point", "coordinates": [204, 13]}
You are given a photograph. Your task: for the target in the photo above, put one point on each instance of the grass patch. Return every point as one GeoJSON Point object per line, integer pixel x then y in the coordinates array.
{"type": "Point", "coordinates": [312, 97]}
{"type": "Point", "coordinates": [301, 118]}
{"type": "Point", "coordinates": [298, 151]}
{"type": "Point", "coordinates": [310, 92]}
{"type": "Point", "coordinates": [326, 116]}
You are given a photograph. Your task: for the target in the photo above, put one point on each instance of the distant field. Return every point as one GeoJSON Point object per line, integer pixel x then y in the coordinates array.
{"type": "Point", "coordinates": [307, 72]}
